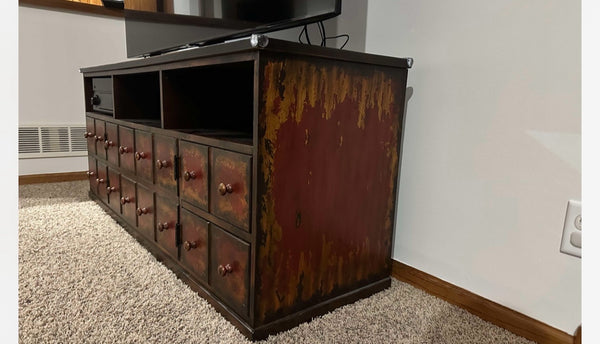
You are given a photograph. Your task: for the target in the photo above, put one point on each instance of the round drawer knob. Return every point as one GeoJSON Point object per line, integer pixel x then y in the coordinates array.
{"type": "Point", "coordinates": [140, 155]}
{"type": "Point", "coordinates": [124, 149]}
{"type": "Point", "coordinates": [99, 138]}
{"type": "Point", "coordinates": [188, 245]}
{"type": "Point", "coordinates": [224, 269]}
{"type": "Point", "coordinates": [110, 189]}
{"type": "Point", "coordinates": [162, 226]}
{"type": "Point", "coordinates": [125, 199]}
{"type": "Point", "coordinates": [88, 134]}
{"type": "Point", "coordinates": [142, 211]}
{"type": "Point", "coordinates": [161, 163]}
{"type": "Point", "coordinates": [99, 180]}
{"type": "Point", "coordinates": [225, 189]}
{"type": "Point", "coordinates": [108, 144]}
{"type": "Point", "coordinates": [90, 173]}
{"type": "Point", "coordinates": [187, 175]}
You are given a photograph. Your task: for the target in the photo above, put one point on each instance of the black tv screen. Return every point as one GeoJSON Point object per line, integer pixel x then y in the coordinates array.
{"type": "Point", "coordinates": [167, 25]}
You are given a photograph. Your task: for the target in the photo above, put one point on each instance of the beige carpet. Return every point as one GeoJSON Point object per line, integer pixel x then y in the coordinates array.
{"type": "Point", "coordinates": [83, 279]}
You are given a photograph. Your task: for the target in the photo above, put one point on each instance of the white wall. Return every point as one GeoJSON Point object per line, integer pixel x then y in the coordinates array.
{"type": "Point", "coordinates": [53, 45]}
{"type": "Point", "coordinates": [492, 146]}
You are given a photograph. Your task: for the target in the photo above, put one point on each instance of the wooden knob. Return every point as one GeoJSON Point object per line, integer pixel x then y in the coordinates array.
{"type": "Point", "coordinates": [125, 199]}
{"type": "Point", "coordinates": [124, 149]}
{"type": "Point", "coordinates": [88, 134]}
{"type": "Point", "coordinates": [90, 173]}
{"type": "Point", "coordinates": [110, 189]}
{"type": "Point", "coordinates": [142, 211]}
{"type": "Point", "coordinates": [161, 163]}
{"type": "Point", "coordinates": [224, 270]}
{"type": "Point", "coordinates": [224, 189]}
{"type": "Point", "coordinates": [162, 226]}
{"type": "Point", "coordinates": [108, 144]}
{"type": "Point", "coordinates": [99, 180]}
{"type": "Point", "coordinates": [188, 245]}
{"type": "Point", "coordinates": [140, 155]}
{"type": "Point", "coordinates": [99, 138]}
{"type": "Point", "coordinates": [187, 175]}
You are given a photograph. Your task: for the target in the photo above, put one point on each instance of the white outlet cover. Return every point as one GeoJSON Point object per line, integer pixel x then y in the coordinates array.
{"type": "Point", "coordinates": [571, 234]}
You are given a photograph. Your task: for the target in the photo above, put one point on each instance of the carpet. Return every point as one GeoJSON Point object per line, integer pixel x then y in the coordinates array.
{"type": "Point", "coordinates": [84, 279]}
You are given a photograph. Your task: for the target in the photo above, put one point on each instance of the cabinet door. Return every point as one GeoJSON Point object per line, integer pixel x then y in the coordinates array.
{"type": "Point", "coordinates": [166, 220]}
{"type": "Point", "coordinates": [164, 162]}
{"type": "Point", "coordinates": [145, 211]}
{"type": "Point", "coordinates": [143, 155]}
{"type": "Point", "coordinates": [229, 269]}
{"type": "Point", "coordinates": [194, 247]}
{"type": "Point", "coordinates": [102, 181]}
{"type": "Point", "coordinates": [126, 152]}
{"type": "Point", "coordinates": [230, 187]}
{"type": "Point", "coordinates": [193, 184]}
{"type": "Point", "coordinates": [128, 199]}
{"type": "Point", "coordinates": [113, 190]}
{"type": "Point", "coordinates": [111, 144]}
{"type": "Point", "coordinates": [90, 135]}
{"type": "Point", "coordinates": [100, 137]}
{"type": "Point", "coordinates": [92, 173]}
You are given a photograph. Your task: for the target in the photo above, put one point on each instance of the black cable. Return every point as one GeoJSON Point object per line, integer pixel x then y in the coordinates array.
{"type": "Point", "coordinates": [306, 35]}
{"type": "Point", "coordinates": [322, 32]}
{"type": "Point", "coordinates": [338, 36]}
{"type": "Point", "coordinates": [300, 35]}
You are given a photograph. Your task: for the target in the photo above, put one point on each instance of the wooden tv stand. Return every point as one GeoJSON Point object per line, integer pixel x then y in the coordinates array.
{"type": "Point", "coordinates": [264, 175]}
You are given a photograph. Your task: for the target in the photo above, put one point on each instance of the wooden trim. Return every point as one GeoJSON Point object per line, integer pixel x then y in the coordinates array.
{"type": "Point", "coordinates": [488, 310]}
{"type": "Point", "coordinates": [73, 6]}
{"type": "Point", "coordinates": [577, 337]}
{"type": "Point", "coordinates": [52, 177]}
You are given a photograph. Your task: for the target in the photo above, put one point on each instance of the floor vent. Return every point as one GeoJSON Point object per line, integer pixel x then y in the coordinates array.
{"type": "Point", "coordinates": [51, 141]}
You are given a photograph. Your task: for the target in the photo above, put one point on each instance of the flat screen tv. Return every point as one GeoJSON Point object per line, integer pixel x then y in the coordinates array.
{"type": "Point", "coordinates": [167, 25]}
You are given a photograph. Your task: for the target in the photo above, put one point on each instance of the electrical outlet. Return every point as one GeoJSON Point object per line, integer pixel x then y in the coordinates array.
{"type": "Point", "coordinates": [571, 238]}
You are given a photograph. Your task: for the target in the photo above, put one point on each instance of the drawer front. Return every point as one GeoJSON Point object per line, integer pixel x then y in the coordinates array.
{"type": "Point", "coordinates": [193, 181]}
{"type": "Point", "coordinates": [92, 173]}
{"type": "Point", "coordinates": [164, 162]}
{"type": "Point", "coordinates": [128, 198]}
{"type": "Point", "coordinates": [194, 248]}
{"type": "Point", "coordinates": [229, 269]}
{"type": "Point", "coordinates": [166, 219]}
{"type": "Point", "coordinates": [111, 144]}
{"type": "Point", "coordinates": [100, 136]}
{"type": "Point", "coordinates": [126, 152]}
{"type": "Point", "coordinates": [102, 181]}
{"type": "Point", "coordinates": [145, 211]}
{"type": "Point", "coordinates": [143, 155]}
{"type": "Point", "coordinates": [230, 187]}
{"type": "Point", "coordinates": [90, 135]}
{"type": "Point", "coordinates": [113, 190]}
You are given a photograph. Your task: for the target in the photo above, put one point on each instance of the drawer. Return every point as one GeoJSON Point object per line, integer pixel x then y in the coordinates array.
{"type": "Point", "coordinates": [113, 190]}
{"type": "Point", "coordinates": [166, 220]}
{"type": "Point", "coordinates": [92, 174]}
{"type": "Point", "coordinates": [145, 211]}
{"type": "Point", "coordinates": [100, 137]}
{"type": "Point", "coordinates": [126, 152]}
{"type": "Point", "coordinates": [230, 187]}
{"type": "Point", "coordinates": [90, 135]}
{"type": "Point", "coordinates": [102, 181]}
{"type": "Point", "coordinates": [194, 247]}
{"type": "Point", "coordinates": [164, 162]}
{"type": "Point", "coordinates": [229, 269]}
{"type": "Point", "coordinates": [193, 181]}
{"type": "Point", "coordinates": [111, 144]}
{"type": "Point", "coordinates": [143, 155]}
{"type": "Point", "coordinates": [128, 198]}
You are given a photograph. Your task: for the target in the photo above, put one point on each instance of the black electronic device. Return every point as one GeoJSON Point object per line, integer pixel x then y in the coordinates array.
{"type": "Point", "coordinates": [102, 95]}
{"type": "Point", "coordinates": [173, 25]}
{"type": "Point", "coordinates": [119, 4]}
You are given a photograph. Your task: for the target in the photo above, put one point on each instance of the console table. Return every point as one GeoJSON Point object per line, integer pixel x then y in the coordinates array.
{"type": "Point", "coordinates": [262, 172]}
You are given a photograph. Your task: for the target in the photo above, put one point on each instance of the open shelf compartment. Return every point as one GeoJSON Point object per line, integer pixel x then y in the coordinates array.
{"type": "Point", "coordinates": [137, 97]}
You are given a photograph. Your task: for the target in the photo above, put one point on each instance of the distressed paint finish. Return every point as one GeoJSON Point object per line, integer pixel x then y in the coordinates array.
{"type": "Point", "coordinates": [328, 163]}
{"type": "Point", "coordinates": [114, 197]}
{"type": "Point", "coordinates": [91, 140]}
{"type": "Point", "coordinates": [194, 159]}
{"type": "Point", "coordinates": [126, 159]}
{"type": "Point", "coordinates": [165, 150]}
{"type": "Point", "coordinates": [102, 181]}
{"type": "Point", "coordinates": [100, 132]}
{"type": "Point", "coordinates": [145, 221]}
{"type": "Point", "coordinates": [112, 150]}
{"type": "Point", "coordinates": [143, 144]}
{"type": "Point", "coordinates": [234, 169]}
{"type": "Point", "coordinates": [92, 177]}
{"type": "Point", "coordinates": [194, 229]}
{"type": "Point", "coordinates": [166, 213]}
{"type": "Point", "coordinates": [128, 209]}
{"type": "Point", "coordinates": [233, 287]}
